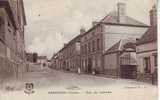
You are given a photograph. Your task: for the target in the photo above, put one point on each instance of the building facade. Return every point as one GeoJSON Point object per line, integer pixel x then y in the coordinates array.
{"type": "Point", "coordinates": [147, 51]}
{"type": "Point", "coordinates": [92, 49]}
{"type": "Point", "coordinates": [104, 34]}
{"type": "Point", "coordinates": [42, 61]}
{"type": "Point", "coordinates": [29, 57]}
{"type": "Point", "coordinates": [95, 44]}
{"type": "Point", "coordinates": [68, 58]}
{"type": "Point", "coordinates": [12, 48]}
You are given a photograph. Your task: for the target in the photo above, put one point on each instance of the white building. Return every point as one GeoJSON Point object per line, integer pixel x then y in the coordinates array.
{"type": "Point", "coordinates": [147, 50]}
{"type": "Point", "coordinates": [119, 26]}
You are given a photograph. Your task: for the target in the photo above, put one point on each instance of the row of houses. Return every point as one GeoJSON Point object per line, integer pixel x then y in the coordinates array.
{"type": "Point", "coordinates": [117, 46]}
{"type": "Point", "coordinates": [12, 44]}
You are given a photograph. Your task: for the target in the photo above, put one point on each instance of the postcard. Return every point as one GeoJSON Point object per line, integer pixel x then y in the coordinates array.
{"type": "Point", "coordinates": [78, 50]}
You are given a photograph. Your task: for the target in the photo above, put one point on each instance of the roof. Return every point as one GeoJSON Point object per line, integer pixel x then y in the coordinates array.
{"type": "Point", "coordinates": [112, 17]}
{"type": "Point", "coordinates": [77, 38]}
{"type": "Point", "coordinates": [120, 45]}
{"type": "Point", "coordinates": [149, 36]}
{"type": "Point", "coordinates": [114, 48]}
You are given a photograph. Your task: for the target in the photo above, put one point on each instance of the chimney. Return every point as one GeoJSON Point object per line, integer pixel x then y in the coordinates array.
{"type": "Point", "coordinates": [82, 30]}
{"type": "Point", "coordinates": [153, 16]}
{"type": "Point", "coordinates": [94, 23]}
{"type": "Point", "coordinates": [65, 44]}
{"type": "Point", "coordinates": [121, 12]}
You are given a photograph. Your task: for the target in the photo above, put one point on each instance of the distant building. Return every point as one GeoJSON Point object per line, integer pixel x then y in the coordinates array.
{"type": "Point", "coordinates": [43, 61]}
{"type": "Point", "coordinates": [147, 50]}
{"type": "Point", "coordinates": [12, 46]}
{"type": "Point", "coordinates": [32, 57]}
{"type": "Point", "coordinates": [68, 58]}
{"type": "Point", "coordinates": [54, 62]}
{"type": "Point", "coordinates": [29, 57]}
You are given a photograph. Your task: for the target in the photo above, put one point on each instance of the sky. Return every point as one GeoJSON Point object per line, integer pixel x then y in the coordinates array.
{"type": "Point", "coordinates": [51, 23]}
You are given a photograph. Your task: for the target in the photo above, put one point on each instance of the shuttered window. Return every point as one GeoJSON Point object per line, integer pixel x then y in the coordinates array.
{"type": "Point", "coordinates": [2, 30]}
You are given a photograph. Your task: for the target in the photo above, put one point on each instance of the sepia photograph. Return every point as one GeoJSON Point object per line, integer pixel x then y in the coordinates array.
{"type": "Point", "coordinates": [78, 49]}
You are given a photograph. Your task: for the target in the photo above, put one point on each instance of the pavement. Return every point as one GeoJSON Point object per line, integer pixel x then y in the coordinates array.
{"type": "Point", "coordinates": [50, 83]}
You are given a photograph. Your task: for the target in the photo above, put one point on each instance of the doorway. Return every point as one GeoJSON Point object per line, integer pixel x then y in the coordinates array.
{"type": "Point", "coordinates": [147, 64]}
{"type": "Point", "coordinates": [89, 65]}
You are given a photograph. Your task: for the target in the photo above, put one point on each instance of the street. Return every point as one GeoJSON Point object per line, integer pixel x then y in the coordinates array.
{"type": "Point", "coordinates": [48, 80]}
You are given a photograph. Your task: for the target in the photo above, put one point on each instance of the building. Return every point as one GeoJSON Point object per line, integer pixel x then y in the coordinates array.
{"type": "Point", "coordinates": [94, 46]}
{"type": "Point", "coordinates": [54, 62]}
{"type": "Point", "coordinates": [42, 61]}
{"type": "Point", "coordinates": [29, 57]}
{"type": "Point", "coordinates": [120, 59]}
{"type": "Point", "coordinates": [12, 48]}
{"type": "Point", "coordinates": [104, 34]}
{"type": "Point", "coordinates": [68, 58]}
{"type": "Point", "coordinates": [147, 50]}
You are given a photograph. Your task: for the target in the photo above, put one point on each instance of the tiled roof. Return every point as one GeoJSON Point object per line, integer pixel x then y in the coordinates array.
{"type": "Point", "coordinates": [149, 36]}
{"type": "Point", "coordinates": [75, 39]}
{"type": "Point", "coordinates": [120, 45]}
{"type": "Point", "coordinates": [112, 17]}
{"type": "Point", "coordinates": [114, 48]}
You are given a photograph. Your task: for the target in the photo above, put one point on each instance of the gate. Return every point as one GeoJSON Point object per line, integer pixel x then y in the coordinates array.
{"type": "Point", "coordinates": [128, 71]}
{"type": "Point", "coordinates": [128, 65]}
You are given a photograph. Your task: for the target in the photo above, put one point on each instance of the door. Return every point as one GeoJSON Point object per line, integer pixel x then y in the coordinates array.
{"type": "Point", "coordinates": [64, 65]}
{"type": "Point", "coordinates": [147, 65]}
{"type": "Point", "coordinates": [89, 65]}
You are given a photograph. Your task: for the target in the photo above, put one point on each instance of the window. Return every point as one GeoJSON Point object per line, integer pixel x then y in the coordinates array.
{"type": "Point", "coordinates": [85, 49]}
{"type": "Point", "coordinates": [89, 47]}
{"type": "Point", "coordinates": [82, 49]}
{"type": "Point", "coordinates": [98, 44]}
{"type": "Point", "coordinates": [147, 64]}
{"type": "Point", "coordinates": [2, 29]}
{"type": "Point", "coordinates": [93, 45]}
{"type": "Point", "coordinates": [85, 38]}
{"type": "Point", "coordinates": [93, 33]}
{"type": "Point", "coordinates": [155, 60]}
